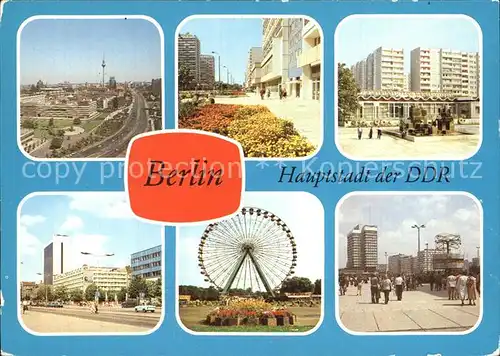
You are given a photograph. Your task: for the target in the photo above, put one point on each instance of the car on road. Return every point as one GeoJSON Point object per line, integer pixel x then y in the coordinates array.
{"type": "Point", "coordinates": [131, 303]}
{"type": "Point", "coordinates": [145, 308]}
{"type": "Point", "coordinates": [54, 305]}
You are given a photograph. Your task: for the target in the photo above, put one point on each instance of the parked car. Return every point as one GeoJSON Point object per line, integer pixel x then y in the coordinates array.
{"type": "Point", "coordinates": [54, 305]}
{"type": "Point", "coordinates": [131, 303]}
{"type": "Point", "coordinates": [145, 308]}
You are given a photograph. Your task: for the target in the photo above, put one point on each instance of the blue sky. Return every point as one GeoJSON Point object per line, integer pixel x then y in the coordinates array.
{"type": "Point", "coordinates": [231, 38]}
{"type": "Point", "coordinates": [302, 212]}
{"type": "Point", "coordinates": [72, 50]}
{"type": "Point", "coordinates": [358, 37]}
{"type": "Point", "coordinates": [98, 223]}
{"type": "Point", "coordinates": [395, 214]}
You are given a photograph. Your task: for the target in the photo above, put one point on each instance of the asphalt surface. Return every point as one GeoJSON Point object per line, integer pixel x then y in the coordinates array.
{"type": "Point", "coordinates": [116, 145]}
{"type": "Point", "coordinates": [127, 316]}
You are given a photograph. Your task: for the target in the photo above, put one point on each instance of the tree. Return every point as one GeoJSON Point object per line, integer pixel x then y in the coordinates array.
{"type": "Point", "coordinates": [185, 77]}
{"type": "Point", "coordinates": [51, 122]}
{"type": "Point", "coordinates": [157, 289]}
{"type": "Point", "coordinates": [317, 287]}
{"type": "Point", "coordinates": [347, 94]}
{"type": "Point", "coordinates": [137, 286]}
{"type": "Point", "coordinates": [56, 143]}
{"type": "Point", "coordinates": [297, 285]}
{"type": "Point", "coordinates": [76, 295]}
{"type": "Point", "coordinates": [44, 292]}
{"type": "Point", "coordinates": [91, 291]}
{"type": "Point", "coordinates": [77, 121]}
{"type": "Point", "coordinates": [61, 293]}
{"type": "Point", "coordinates": [122, 294]}
{"type": "Point", "coordinates": [28, 124]}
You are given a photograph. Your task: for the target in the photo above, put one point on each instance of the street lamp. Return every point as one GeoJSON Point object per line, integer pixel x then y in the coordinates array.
{"type": "Point", "coordinates": [97, 255]}
{"type": "Point", "coordinates": [218, 60]}
{"type": "Point", "coordinates": [227, 70]}
{"type": "Point", "coordinates": [45, 286]}
{"type": "Point", "coordinates": [418, 227]}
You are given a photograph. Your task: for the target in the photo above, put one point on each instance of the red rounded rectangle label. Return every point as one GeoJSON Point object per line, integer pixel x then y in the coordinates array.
{"type": "Point", "coordinates": [184, 176]}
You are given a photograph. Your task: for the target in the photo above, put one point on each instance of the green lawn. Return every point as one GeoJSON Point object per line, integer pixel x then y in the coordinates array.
{"type": "Point", "coordinates": [246, 329]}
{"type": "Point", "coordinates": [89, 125]}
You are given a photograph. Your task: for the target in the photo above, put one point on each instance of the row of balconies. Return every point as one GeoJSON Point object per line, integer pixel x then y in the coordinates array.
{"type": "Point", "coordinates": [311, 56]}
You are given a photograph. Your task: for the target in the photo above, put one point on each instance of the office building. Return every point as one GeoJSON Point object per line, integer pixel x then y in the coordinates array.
{"type": "Point", "coordinates": [147, 263]}
{"type": "Point", "coordinates": [207, 71]}
{"type": "Point", "coordinates": [275, 52]}
{"type": "Point", "coordinates": [310, 60]}
{"type": "Point", "coordinates": [188, 52]}
{"type": "Point", "coordinates": [112, 82]}
{"type": "Point", "coordinates": [156, 87]}
{"type": "Point", "coordinates": [56, 258]}
{"type": "Point", "coordinates": [383, 69]}
{"type": "Point", "coordinates": [362, 248]}
{"type": "Point", "coordinates": [254, 60]}
{"type": "Point", "coordinates": [105, 278]}
{"type": "Point", "coordinates": [401, 264]}
{"type": "Point", "coordinates": [425, 260]}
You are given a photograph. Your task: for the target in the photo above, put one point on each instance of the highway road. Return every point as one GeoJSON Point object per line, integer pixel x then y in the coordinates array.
{"type": "Point", "coordinates": [127, 316]}
{"type": "Point", "coordinates": [116, 145]}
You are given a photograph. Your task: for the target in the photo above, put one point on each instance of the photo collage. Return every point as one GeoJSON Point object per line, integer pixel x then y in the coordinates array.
{"type": "Point", "coordinates": [398, 257]}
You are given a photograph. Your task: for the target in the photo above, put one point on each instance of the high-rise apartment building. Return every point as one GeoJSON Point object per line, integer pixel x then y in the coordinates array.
{"type": "Point", "coordinates": [275, 54]}
{"type": "Point", "coordinates": [362, 248]}
{"type": "Point", "coordinates": [383, 69]}
{"type": "Point", "coordinates": [207, 71]}
{"type": "Point", "coordinates": [147, 263]}
{"type": "Point", "coordinates": [189, 60]}
{"type": "Point", "coordinates": [445, 70]}
{"type": "Point", "coordinates": [112, 82]}
{"type": "Point", "coordinates": [156, 86]}
{"type": "Point", "coordinates": [254, 58]}
{"type": "Point", "coordinates": [56, 257]}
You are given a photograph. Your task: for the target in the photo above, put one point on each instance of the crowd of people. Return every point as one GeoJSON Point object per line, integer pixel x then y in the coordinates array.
{"type": "Point", "coordinates": [370, 133]}
{"type": "Point", "coordinates": [460, 286]}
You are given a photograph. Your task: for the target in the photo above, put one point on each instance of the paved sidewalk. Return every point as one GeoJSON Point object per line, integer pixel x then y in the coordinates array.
{"type": "Point", "coordinates": [53, 323]}
{"type": "Point", "coordinates": [394, 148]}
{"type": "Point", "coordinates": [419, 311]}
{"type": "Point", "coordinates": [305, 114]}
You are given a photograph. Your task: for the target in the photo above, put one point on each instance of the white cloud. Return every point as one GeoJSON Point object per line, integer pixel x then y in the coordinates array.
{"type": "Point", "coordinates": [29, 244]}
{"type": "Point", "coordinates": [94, 244]}
{"type": "Point", "coordinates": [72, 223]}
{"type": "Point", "coordinates": [112, 205]}
{"type": "Point", "coordinates": [30, 220]}
{"type": "Point", "coordinates": [465, 214]}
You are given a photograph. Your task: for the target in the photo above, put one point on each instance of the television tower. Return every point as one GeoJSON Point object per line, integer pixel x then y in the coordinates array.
{"type": "Point", "coordinates": [103, 65]}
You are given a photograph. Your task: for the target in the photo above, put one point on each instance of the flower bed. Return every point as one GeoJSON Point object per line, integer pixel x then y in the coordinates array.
{"type": "Point", "coordinates": [260, 133]}
{"type": "Point", "coordinates": [250, 312]}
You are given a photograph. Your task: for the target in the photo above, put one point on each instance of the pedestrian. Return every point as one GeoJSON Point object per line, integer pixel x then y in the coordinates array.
{"type": "Point", "coordinates": [431, 282]}
{"type": "Point", "coordinates": [284, 93]}
{"type": "Point", "coordinates": [370, 133]}
{"type": "Point", "coordinates": [451, 285]}
{"type": "Point", "coordinates": [268, 93]}
{"type": "Point", "coordinates": [281, 93]}
{"type": "Point", "coordinates": [471, 289]}
{"type": "Point", "coordinates": [262, 93]}
{"type": "Point", "coordinates": [360, 287]}
{"type": "Point", "coordinates": [379, 133]}
{"type": "Point", "coordinates": [374, 289]}
{"type": "Point", "coordinates": [360, 132]}
{"type": "Point", "coordinates": [25, 306]}
{"type": "Point", "coordinates": [386, 288]}
{"type": "Point", "coordinates": [341, 285]}
{"type": "Point", "coordinates": [461, 287]}
{"type": "Point", "coordinates": [398, 286]}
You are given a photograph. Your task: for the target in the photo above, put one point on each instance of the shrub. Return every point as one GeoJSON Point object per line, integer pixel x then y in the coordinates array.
{"type": "Point", "coordinates": [186, 109]}
{"type": "Point", "coordinates": [214, 118]}
{"type": "Point", "coordinates": [77, 121]}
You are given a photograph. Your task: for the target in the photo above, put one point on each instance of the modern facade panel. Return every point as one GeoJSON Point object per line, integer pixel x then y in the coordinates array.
{"type": "Point", "coordinates": [147, 263]}
{"type": "Point", "coordinates": [207, 71]}
{"type": "Point", "coordinates": [188, 52]}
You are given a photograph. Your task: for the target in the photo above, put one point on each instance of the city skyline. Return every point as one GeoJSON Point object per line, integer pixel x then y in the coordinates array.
{"type": "Point", "coordinates": [306, 224]}
{"type": "Point", "coordinates": [370, 33]}
{"type": "Point", "coordinates": [72, 50]}
{"type": "Point", "coordinates": [106, 227]}
{"type": "Point", "coordinates": [215, 36]}
{"type": "Point", "coordinates": [395, 214]}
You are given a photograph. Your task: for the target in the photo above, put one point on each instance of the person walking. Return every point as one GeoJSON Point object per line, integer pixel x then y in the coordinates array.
{"type": "Point", "coordinates": [359, 287]}
{"type": "Point", "coordinates": [262, 93]}
{"type": "Point", "coordinates": [471, 289]}
{"type": "Point", "coordinates": [379, 133]}
{"type": "Point", "coordinates": [370, 133]}
{"type": "Point", "coordinates": [462, 287]}
{"type": "Point", "coordinates": [451, 285]}
{"type": "Point", "coordinates": [386, 288]}
{"type": "Point", "coordinates": [398, 286]}
{"type": "Point", "coordinates": [25, 306]}
{"type": "Point", "coordinates": [374, 289]}
{"type": "Point", "coordinates": [360, 132]}
{"type": "Point", "coordinates": [478, 283]}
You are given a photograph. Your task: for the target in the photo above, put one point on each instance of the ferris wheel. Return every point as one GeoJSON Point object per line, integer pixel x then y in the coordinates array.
{"type": "Point", "coordinates": [254, 249]}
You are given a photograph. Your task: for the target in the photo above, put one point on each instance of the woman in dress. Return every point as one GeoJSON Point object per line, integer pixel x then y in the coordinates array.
{"type": "Point", "coordinates": [471, 289]}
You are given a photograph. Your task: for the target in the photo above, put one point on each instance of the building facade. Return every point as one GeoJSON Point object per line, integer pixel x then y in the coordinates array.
{"type": "Point", "coordinates": [445, 70]}
{"type": "Point", "coordinates": [425, 260]}
{"type": "Point", "coordinates": [383, 69]}
{"type": "Point", "coordinates": [295, 43]}
{"type": "Point", "coordinates": [105, 278]}
{"type": "Point", "coordinates": [310, 60]}
{"type": "Point", "coordinates": [362, 248]}
{"type": "Point", "coordinates": [56, 258]}
{"type": "Point", "coordinates": [147, 263]}
{"type": "Point", "coordinates": [254, 60]}
{"type": "Point", "coordinates": [188, 52]}
{"type": "Point", "coordinates": [402, 264]}
{"type": "Point", "coordinates": [207, 71]}
{"type": "Point", "coordinates": [275, 52]}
